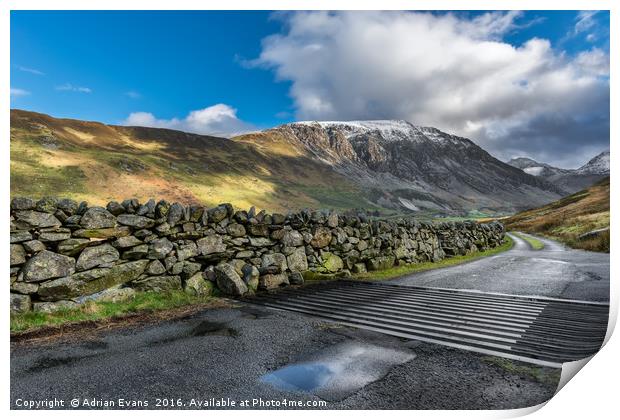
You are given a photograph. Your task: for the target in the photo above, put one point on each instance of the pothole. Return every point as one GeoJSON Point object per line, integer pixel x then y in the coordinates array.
{"type": "Point", "coordinates": [213, 328]}
{"type": "Point", "coordinates": [94, 345]}
{"type": "Point", "coordinates": [254, 313]}
{"type": "Point", "coordinates": [52, 362]}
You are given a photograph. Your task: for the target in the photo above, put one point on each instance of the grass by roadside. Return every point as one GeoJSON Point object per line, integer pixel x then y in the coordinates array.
{"type": "Point", "coordinates": [140, 303]}
{"type": "Point", "coordinates": [544, 375]}
{"type": "Point", "coordinates": [403, 270]}
{"type": "Point", "coordinates": [534, 243]}
{"type": "Point", "coordinates": [578, 220]}
{"type": "Point", "coordinates": [598, 243]}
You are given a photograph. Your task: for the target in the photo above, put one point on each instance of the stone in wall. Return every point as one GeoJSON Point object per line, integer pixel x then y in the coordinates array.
{"type": "Point", "coordinates": [63, 252]}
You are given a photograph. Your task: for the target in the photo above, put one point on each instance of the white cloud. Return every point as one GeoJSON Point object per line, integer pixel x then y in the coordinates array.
{"type": "Point", "coordinates": [586, 25]}
{"type": "Point", "coordinates": [445, 71]}
{"type": "Point", "coordinates": [15, 92]}
{"type": "Point", "coordinates": [585, 21]}
{"type": "Point", "coordinates": [215, 120]}
{"type": "Point", "coordinates": [494, 25]}
{"type": "Point", "coordinates": [71, 88]}
{"type": "Point", "coordinates": [31, 70]}
{"type": "Point", "coordinates": [593, 62]}
{"type": "Point", "coordinates": [133, 94]}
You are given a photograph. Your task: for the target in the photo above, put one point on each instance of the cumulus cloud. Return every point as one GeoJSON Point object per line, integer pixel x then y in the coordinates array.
{"type": "Point", "coordinates": [15, 92]}
{"type": "Point", "coordinates": [215, 120]}
{"type": "Point", "coordinates": [71, 88]}
{"type": "Point", "coordinates": [446, 71]}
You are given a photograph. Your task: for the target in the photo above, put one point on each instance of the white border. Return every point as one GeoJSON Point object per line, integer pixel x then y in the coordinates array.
{"type": "Point", "coordinates": [592, 395]}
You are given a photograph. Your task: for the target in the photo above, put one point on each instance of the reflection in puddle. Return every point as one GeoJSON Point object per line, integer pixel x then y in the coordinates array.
{"type": "Point", "coordinates": [338, 371]}
{"type": "Point", "coordinates": [302, 377]}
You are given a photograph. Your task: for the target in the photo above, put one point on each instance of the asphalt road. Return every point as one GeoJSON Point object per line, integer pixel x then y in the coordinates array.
{"type": "Point", "coordinates": [253, 354]}
{"type": "Point", "coordinates": [554, 271]}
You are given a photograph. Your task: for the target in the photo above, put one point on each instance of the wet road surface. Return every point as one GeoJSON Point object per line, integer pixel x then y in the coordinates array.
{"type": "Point", "coordinates": [554, 271]}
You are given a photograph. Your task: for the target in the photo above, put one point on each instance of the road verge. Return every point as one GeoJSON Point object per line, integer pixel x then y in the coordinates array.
{"type": "Point", "coordinates": [534, 243]}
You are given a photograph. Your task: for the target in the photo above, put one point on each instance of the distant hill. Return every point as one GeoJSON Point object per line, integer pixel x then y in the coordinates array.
{"type": "Point", "coordinates": [97, 163]}
{"type": "Point", "coordinates": [580, 220]}
{"type": "Point", "coordinates": [569, 180]}
{"type": "Point", "coordinates": [387, 165]}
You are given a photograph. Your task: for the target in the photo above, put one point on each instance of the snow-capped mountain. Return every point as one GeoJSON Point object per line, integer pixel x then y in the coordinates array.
{"type": "Point", "coordinates": [598, 165]}
{"type": "Point", "coordinates": [530, 166]}
{"type": "Point", "coordinates": [388, 130]}
{"type": "Point", "coordinates": [404, 165]}
{"type": "Point", "coordinates": [569, 180]}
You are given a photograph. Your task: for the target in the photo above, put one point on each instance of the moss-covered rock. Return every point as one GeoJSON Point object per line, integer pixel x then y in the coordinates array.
{"type": "Point", "coordinates": [158, 284]}
{"type": "Point", "coordinates": [91, 281]}
{"type": "Point", "coordinates": [198, 286]}
{"type": "Point", "coordinates": [381, 263]}
{"type": "Point", "coordinates": [332, 262]}
{"type": "Point", "coordinates": [103, 233]}
{"type": "Point", "coordinates": [228, 281]}
{"type": "Point", "coordinates": [272, 281]}
{"type": "Point", "coordinates": [48, 265]}
{"type": "Point", "coordinates": [20, 303]}
{"type": "Point", "coordinates": [96, 256]}
{"type": "Point", "coordinates": [97, 218]}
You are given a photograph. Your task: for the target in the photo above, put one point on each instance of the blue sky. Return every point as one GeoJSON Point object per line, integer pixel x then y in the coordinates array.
{"type": "Point", "coordinates": [166, 62]}
{"type": "Point", "coordinates": [239, 71]}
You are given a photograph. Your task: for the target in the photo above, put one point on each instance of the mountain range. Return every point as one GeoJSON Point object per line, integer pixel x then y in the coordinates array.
{"type": "Point", "coordinates": [386, 165]}
{"type": "Point", "coordinates": [569, 180]}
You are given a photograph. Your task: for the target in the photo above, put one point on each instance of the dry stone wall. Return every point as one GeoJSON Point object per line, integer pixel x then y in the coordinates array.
{"type": "Point", "coordinates": [64, 253]}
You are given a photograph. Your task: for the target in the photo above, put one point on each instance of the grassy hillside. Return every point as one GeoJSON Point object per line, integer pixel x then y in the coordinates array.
{"type": "Point", "coordinates": [97, 163]}
{"type": "Point", "coordinates": [569, 218]}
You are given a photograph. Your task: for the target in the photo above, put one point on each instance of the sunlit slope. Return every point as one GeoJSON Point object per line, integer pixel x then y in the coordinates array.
{"type": "Point", "coordinates": [97, 163]}
{"type": "Point", "coordinates": [570, 218]}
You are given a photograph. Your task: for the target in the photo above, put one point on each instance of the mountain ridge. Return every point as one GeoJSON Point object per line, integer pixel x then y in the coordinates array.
{"type": "Point", "coordinates": [370, 164]}
{"type": "Point", "coordinates": [418, 167]}
{"type": "Point", "coordinates": [569, 180]}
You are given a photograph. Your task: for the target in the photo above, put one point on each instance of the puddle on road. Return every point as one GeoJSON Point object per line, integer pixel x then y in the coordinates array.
{"type": "Point", "coordinates": [300, 377]}
{"type": "Point", "coordinates": [339, 371]}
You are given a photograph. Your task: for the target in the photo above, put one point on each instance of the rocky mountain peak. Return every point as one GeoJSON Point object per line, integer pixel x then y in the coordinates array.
{"type": "Point", "coordinates": [532, 167]}
{"type": "Point", "coordinates": [524, 162]}
{"type": "Point", "coordinates": [398, 162]}
{"type": "Point", "coordinates": [385, 131]}
{"type": "Point", "coordinates": [569, 180]}
{"type": "Point", "coordinates": [598, 165]}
